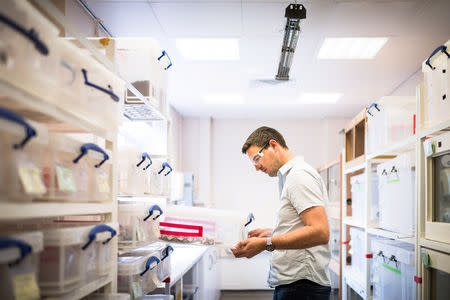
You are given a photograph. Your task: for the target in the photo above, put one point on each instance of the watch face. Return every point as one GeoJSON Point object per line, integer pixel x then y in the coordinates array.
{"type": "Point", "coordinates": [270, 248]}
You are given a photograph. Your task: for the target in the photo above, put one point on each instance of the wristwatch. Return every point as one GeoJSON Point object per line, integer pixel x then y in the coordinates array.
{"type": "Point", "coordinates": [269, 246]}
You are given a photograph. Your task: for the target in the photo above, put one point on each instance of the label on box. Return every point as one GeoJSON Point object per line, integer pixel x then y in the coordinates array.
{"type": "Point", "coordinates": [31, 179]}
{"type": "Point", "coordinates": [25, 287]}
{"type": "Point", "coordinates": [102, 183]}
{"type": "Point", "coordinates": [66, 181]}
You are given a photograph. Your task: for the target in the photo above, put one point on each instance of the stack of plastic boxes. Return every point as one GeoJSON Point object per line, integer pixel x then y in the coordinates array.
{"type": "Point", "coordinates": [397, 196]}
{"type": "Point", "coordinates": [19, 265]}
{"type": "Point", "coordinates": [393, 275]}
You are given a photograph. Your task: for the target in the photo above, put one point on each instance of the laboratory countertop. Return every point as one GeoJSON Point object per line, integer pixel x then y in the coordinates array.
{"type": "Point", "coordinates": [183, 258]}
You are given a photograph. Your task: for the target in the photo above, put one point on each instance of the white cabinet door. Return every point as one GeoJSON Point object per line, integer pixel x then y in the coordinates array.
{"type": "Point", "coordinates": [209, 277]}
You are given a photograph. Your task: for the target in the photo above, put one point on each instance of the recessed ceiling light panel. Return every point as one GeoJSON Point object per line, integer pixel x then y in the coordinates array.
{"type": "Point", "coordinates": [351, 48]}
{"type": "Point", "coordinates": [209, 49]}
{"type": "Point", "coordinates": [319, 98]}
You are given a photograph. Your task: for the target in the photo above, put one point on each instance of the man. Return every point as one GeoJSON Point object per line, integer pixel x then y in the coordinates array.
{"type": "Point", "coordinates": [299, 241]}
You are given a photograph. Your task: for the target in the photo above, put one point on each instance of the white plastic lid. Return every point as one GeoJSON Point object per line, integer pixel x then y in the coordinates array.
{"type": "Point", "coordinates": [33, 238]}
{"type": "Point", "coordinates": [154, 249]}
{"type": "Point", "coordinates": [74, 235]}
{"type": "Point", "coordinates": [133, 265]}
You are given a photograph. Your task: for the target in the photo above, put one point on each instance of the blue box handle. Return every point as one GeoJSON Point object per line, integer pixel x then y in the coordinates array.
{"type": "Point", "coordinates": [13, 117]}
{"type": "Point", "coordinates": [443, 49]}
{"type": "Point", "coordinates": [89, 146]}
{"type": "Point", "coordinates": [149, 263]}
{"type": "Point", "coordinates": [164, 53]}
{"type": "Point", "coordinates": [164, 165]}
{"type": "Point", "coordinates": [98, 229]}
{"type": "Point", "coordinates": [31, 34]}
{"type": "Point", "coordinates": [109, 92]}
{"type": "Point", "coordinates": [250, 218]}
{"type": "Point", "coordinates": [152, 210]}
{"type": "Point", "coordinates": [145, 156]}
{"type": "Point", "coordinates": [374, 105]}
{"type": "Point", "coordinates": [167, 251]}
{"type": "Point", "coordinates": [25, 248]}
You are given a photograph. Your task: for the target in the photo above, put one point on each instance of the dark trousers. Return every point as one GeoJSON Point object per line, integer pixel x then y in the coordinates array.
{"type": "Point", "coordinates": [303, 289]}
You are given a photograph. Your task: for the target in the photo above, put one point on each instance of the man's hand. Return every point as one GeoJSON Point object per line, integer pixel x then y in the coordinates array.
{"type": "Point", "coordinates": [249, 247]}
{"type": "Point", "coordinates": [260, 232]}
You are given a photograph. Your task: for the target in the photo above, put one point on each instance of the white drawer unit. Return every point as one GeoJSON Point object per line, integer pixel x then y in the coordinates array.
{"type": "Point", "coordinates": [436, 106]}
{"type": "Point", "coordinates": [397, 194]}
{"type": "Point", "coordinates": [19, 265]}
{"type": "Point", "coordinates": [137, 275]}
{"type": "Point", "coordinates": [436, 274]}
{"type": "Point", "coordinates": [25, 158]}
{"type": "Point", "coordinates": [437, 188]}
{"type": "Point", "coordinates": [390, 120]}
{"type": "Point", "coordinates": [393, 270]}
{"type": "Point", "coordinates": [139, 224]}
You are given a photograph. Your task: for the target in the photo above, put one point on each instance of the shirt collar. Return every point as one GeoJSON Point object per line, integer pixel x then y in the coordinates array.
{"type": "Point", "coordinates": [287, 166]}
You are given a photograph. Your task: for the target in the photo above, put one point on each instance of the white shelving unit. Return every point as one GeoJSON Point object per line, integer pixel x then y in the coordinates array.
{"type": "Point", "coordinates": [362, 286]}
{"type": "Point", "coordinates": [58, 119]}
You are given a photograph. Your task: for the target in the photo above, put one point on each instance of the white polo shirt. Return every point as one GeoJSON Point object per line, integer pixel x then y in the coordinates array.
{"type": "Point", "coordinates": [301, 187]}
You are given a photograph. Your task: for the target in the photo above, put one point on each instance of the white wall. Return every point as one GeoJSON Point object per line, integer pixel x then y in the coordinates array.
{"type": "Point", "coordinates": [224, 178]}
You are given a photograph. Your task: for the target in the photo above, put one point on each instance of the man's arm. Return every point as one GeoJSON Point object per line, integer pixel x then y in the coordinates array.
{"type": "Point", "coordinates": [314, 233]}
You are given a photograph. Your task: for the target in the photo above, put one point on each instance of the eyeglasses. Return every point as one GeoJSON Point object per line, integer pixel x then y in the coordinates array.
{"type": "Point", "coordinates": [257, 158]}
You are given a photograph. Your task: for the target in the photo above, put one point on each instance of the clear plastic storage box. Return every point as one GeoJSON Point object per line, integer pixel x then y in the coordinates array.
{"type": "Point", "coordinates": [74, 256]}
{"type": "Point", "coordinates": [390, 120]}
{"type": "Point", "coordinates": [397, 194]}
{"type": "Point", "coordinates": [393, 275]}
{"type": "Point", "coordinates": [19, 264]}
{"type": "Point", "coordinates": [357, 251]}
{"type": "Point", "coordinates": [78, 179]}
{"type": "Point", "coordinates": [139, 224]}
{"type": "Point", "coordinates": [159, 249]}
{"type": "Point", "coordinates": [436, 104]}
{"type": "Point", "coordinates": [101, 94]}
{"type": "Point", "coordinates": [358, 183]}
{"type": "Point", "coordinates": [25, 157]}
{"type": "Point", "coordinates": [137, 275]}
{"type": "Point", "coordinates": [29, 52]}
{"type": "Point", "coordinates": [158, 178]}
{"type": "Point", "coordinates": [133, 171]}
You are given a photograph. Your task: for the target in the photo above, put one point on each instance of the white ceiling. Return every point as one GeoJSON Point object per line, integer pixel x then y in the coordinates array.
{"type": "Point", "coordinates": [414, 29]}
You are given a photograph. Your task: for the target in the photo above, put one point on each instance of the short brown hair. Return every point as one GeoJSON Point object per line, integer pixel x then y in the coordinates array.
{"type": "Point", "coordinates": [261, 136]}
